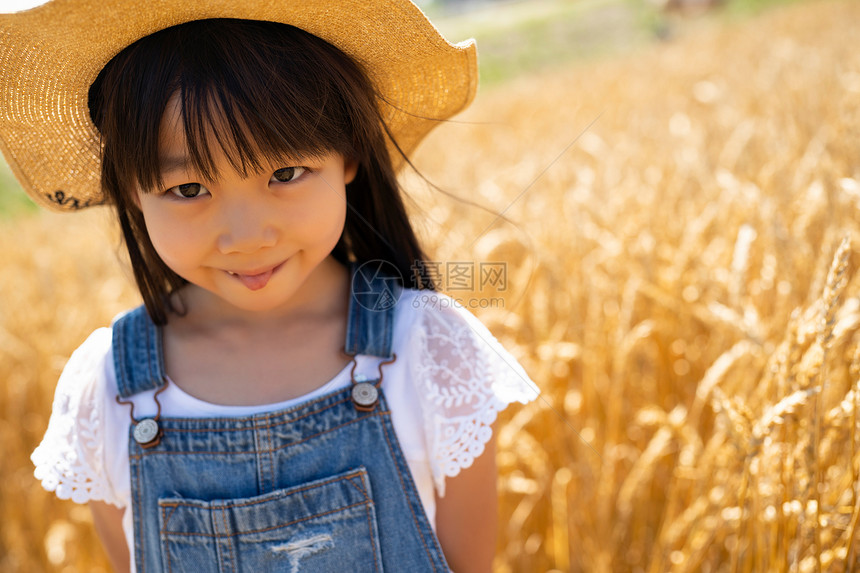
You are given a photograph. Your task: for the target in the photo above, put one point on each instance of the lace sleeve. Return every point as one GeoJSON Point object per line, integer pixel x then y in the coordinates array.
{"type": "Point", "coordinates": [70, 459]}
{"type": "Point", "coordinates": [464, 377]}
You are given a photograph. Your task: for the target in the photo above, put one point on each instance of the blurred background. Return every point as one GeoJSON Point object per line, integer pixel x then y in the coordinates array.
{"type": "Point", "coordinates": [679, 183]}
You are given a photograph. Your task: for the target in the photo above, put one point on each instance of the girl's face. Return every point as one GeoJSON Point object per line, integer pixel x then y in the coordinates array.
{"type": "Point", "coordinates": [252, 241]}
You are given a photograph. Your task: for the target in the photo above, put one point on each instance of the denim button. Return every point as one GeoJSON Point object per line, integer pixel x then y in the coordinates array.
{"type": "Point", "coordinates": [145, 431]}
{"type": "Point", "coordinates": [364, 395]}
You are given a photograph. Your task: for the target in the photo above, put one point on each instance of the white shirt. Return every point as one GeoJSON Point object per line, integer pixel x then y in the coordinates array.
{"type": "Point", "coordinates": [449, 381]}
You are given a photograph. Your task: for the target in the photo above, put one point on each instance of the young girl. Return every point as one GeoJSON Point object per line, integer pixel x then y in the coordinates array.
{"type": "Point", "coordinates": [287, 399]}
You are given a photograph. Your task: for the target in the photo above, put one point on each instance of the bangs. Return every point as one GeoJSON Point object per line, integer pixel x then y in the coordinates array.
{"type": "Point", "coordinates": [243, 90]}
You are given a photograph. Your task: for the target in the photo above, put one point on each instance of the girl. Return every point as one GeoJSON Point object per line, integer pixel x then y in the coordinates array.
{"type": "Point", "coordinates": [246, 148]}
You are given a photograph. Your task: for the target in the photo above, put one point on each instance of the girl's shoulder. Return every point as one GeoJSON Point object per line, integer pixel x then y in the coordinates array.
{"type": "Point", "coordinates": [83, 374]}
{"type": "Point", "coordinates": [70, 458]}
{"type": "Point", "coordinates": [447, 338]}
{"type": "Point", "coordinates": [461, 375]}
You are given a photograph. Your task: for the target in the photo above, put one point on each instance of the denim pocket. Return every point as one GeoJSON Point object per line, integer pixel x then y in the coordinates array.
{"type": "Point", "coordinates": [324, 525]}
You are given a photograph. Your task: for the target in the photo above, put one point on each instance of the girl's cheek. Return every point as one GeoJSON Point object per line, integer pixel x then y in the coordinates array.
{"type": "Point", "coordinates": [171, 235]}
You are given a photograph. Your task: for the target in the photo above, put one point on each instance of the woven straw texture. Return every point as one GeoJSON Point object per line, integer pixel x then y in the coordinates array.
{"type": "Point", "coordinates": [51, 54]}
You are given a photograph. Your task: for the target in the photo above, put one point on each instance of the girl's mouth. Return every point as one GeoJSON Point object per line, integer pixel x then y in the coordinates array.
{"type": "Point", "coordinates": [256, 281]}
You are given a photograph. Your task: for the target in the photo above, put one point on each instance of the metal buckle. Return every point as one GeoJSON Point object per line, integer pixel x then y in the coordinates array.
{"type": "Point", "coordinates": [365, 395]}
{"type": "Point", "coordinates": [147, 432]}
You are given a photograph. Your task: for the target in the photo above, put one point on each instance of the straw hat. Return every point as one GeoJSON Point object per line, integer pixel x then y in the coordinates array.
{"type": "Point", "coordinates": [50, 55]}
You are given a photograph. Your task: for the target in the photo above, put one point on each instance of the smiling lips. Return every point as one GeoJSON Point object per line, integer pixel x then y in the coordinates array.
{"type": "Point", "coordinates": [255, 281]}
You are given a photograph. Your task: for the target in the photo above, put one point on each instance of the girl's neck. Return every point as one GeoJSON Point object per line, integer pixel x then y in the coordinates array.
{"type": "Point", "coordinates": [212, 350]}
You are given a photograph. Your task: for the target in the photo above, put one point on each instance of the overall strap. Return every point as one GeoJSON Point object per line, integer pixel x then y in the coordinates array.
{"type": "Point", "coordinates": [137, 353]}
{"type": "Point", "coordinates": [372, 298]}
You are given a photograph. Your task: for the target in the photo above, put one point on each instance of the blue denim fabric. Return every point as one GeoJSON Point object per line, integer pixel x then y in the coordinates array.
{"type": "Point", "coordinates": [320, 487]}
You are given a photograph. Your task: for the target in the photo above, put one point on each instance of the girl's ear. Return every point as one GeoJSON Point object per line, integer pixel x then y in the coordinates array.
{"type": "Point", "coordinates": [350, 169]}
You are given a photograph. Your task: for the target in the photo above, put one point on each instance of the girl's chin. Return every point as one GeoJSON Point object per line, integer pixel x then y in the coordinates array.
{"type": "Point", "coordinates": [210, 301]}
{"type": "Point", "coordinates": [276, 290]}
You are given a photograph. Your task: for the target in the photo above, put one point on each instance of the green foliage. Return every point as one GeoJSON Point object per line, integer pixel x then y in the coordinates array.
{"type": "Point", "coordinates": [530, 35]}
{"type": "Point", "coordinates": [514, 38]}
{"type": "Point", "coordinates": [753, 7]}
{"type": "Point", "coordinates": [13, 200]}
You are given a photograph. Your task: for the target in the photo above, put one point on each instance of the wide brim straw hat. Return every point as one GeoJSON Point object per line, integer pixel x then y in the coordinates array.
{"type": "Point", "coordinates": [51, 54]}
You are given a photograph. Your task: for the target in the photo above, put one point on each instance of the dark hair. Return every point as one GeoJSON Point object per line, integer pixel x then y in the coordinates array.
{"type": "Point", "coordinates": [266, 91]}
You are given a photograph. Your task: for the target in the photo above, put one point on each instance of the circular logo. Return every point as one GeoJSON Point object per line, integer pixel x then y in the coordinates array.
{"type": "Point", "coordinates": [376, 285]}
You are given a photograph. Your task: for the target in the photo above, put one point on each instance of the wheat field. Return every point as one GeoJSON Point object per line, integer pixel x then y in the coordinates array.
{"type": "Point", "coordinates": [680, 228]}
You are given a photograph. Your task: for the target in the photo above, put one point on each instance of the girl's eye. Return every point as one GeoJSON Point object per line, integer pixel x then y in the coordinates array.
{"type": "Point", "coordinates": [189, 190]}
{"type": "Point", "coordinates": [287, 174]}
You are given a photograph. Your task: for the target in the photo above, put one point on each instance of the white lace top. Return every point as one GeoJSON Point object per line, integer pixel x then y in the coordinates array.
{"type": "Point", "coordinates": [449, 381]}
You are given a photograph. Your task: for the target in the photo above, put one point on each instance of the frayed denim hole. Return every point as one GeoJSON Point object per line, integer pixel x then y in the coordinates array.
{"type": "Point", "coordinates": [301, 547]}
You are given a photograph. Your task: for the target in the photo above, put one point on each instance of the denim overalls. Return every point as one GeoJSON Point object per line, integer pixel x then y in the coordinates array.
{"type": "Point", "coordinates": [322, 486]}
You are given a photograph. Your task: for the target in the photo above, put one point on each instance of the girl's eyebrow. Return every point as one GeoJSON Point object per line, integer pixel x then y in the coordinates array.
{"type": "Point", "coordinates": [173, 163]}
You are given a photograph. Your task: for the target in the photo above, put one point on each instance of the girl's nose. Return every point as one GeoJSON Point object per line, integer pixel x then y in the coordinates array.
{"type": "Point", "coordinates": [246, 229]}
